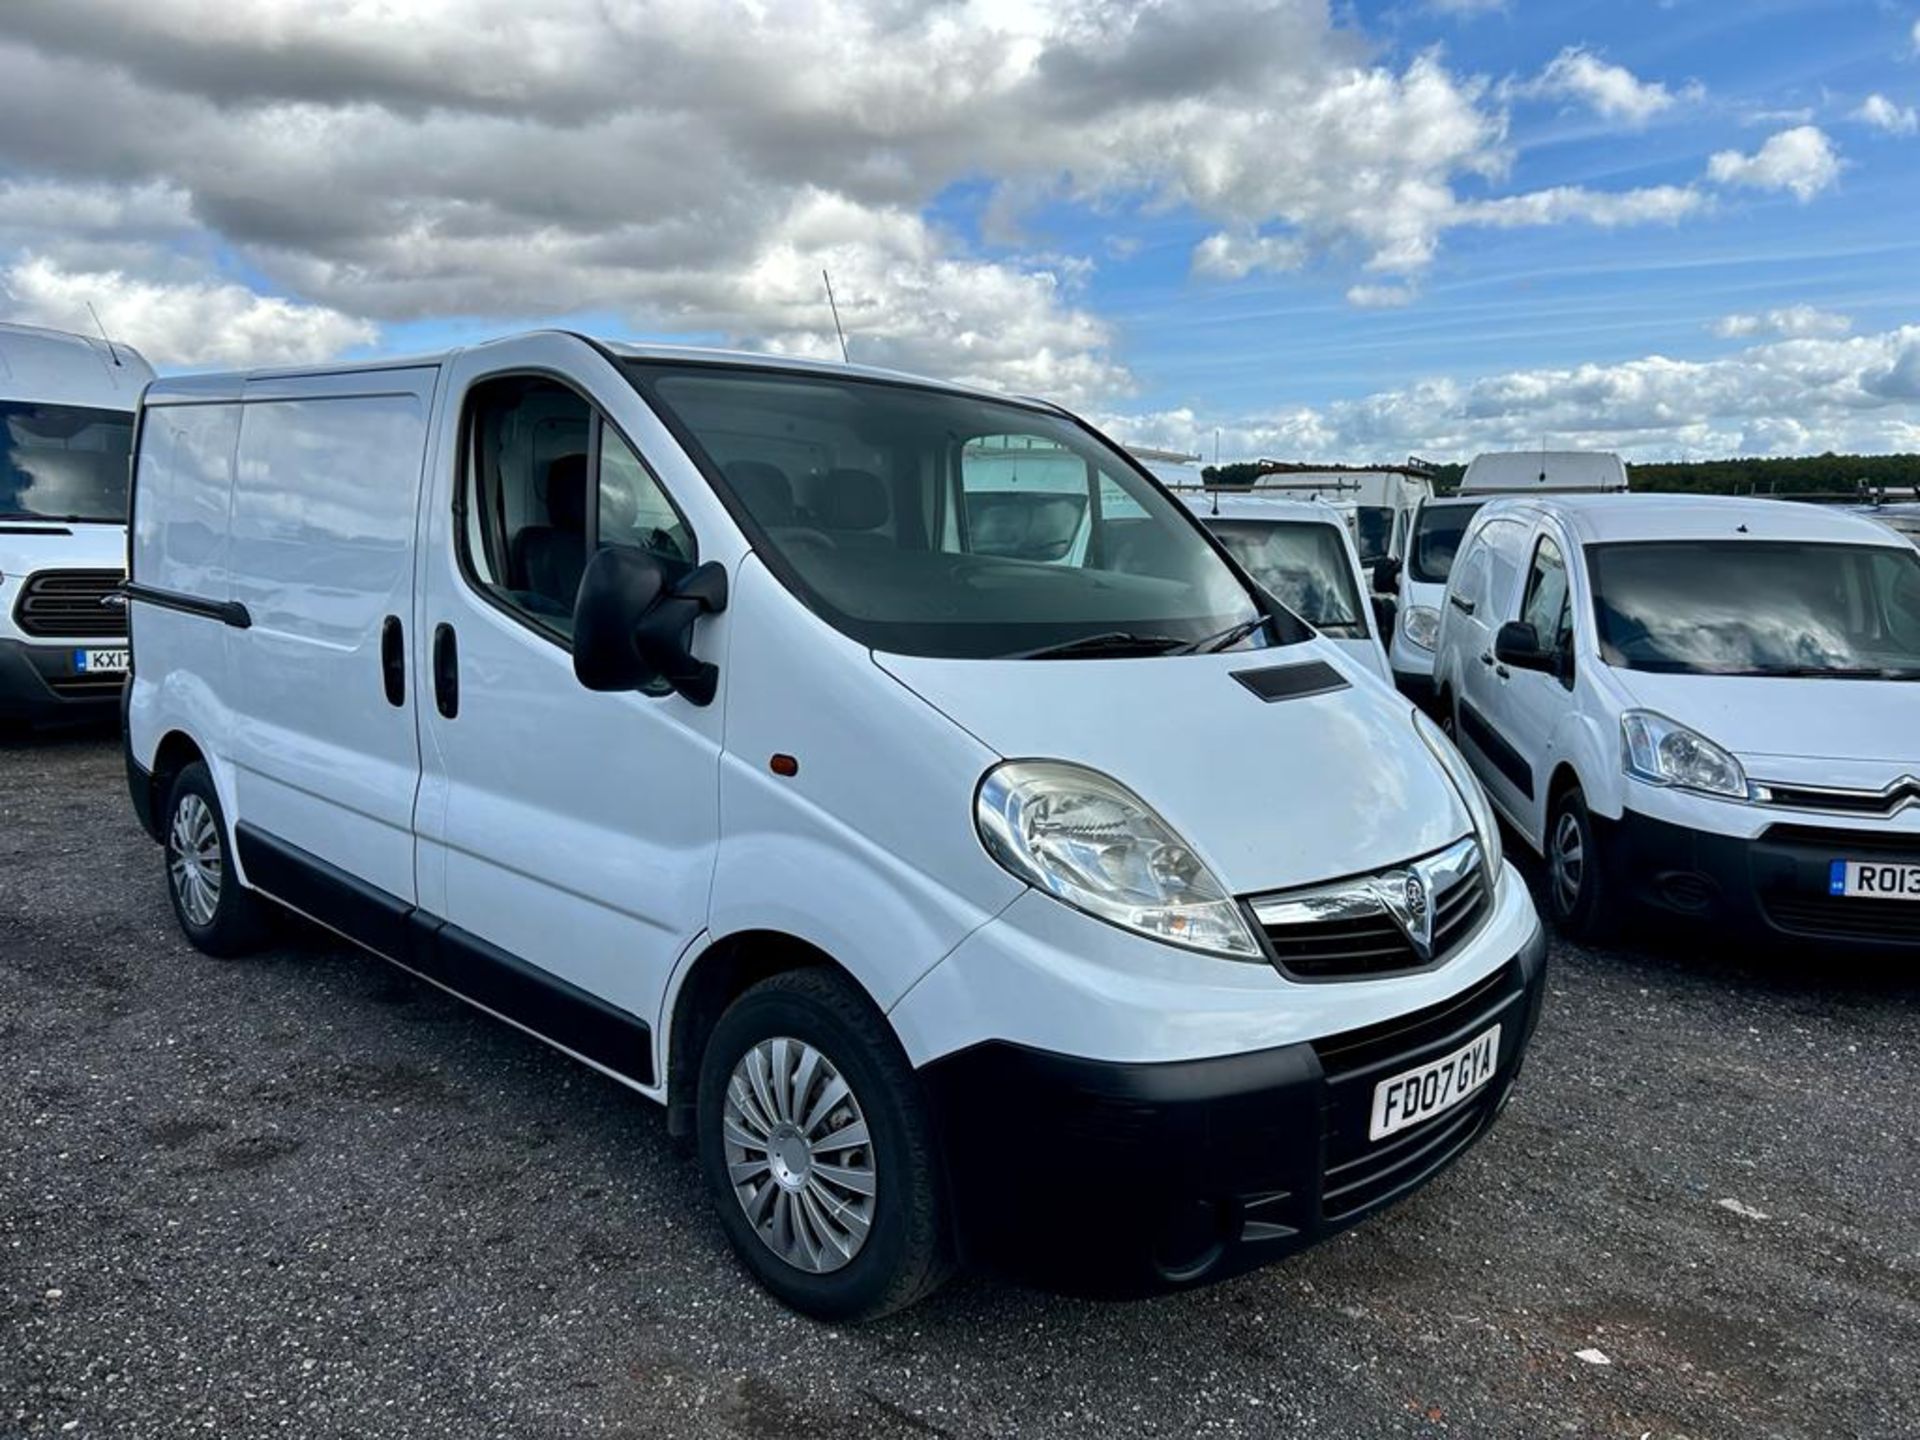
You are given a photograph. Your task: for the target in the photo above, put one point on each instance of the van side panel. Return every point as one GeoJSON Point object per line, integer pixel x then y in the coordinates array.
{"type": "Point", "coordinates": [183, 476]}
{"type": "Point", "coordinates": [321, 553]}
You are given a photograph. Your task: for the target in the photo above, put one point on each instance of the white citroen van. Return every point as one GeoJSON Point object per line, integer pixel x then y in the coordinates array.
{"type": "Point", "coordinates": [1303, 553]}
{"type": "Point", "coordinates": [1707, 705]}
{"type": "Point", "coordinates": [955, 902]}
{"type": "Point", "coordinates": [66, 433]}
{"type": "Point", "coordinates": [1416, 584]}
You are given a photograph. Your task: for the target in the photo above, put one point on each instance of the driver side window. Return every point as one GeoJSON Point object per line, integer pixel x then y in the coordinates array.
{"type": "Point", "coordinates": [1547, 605]}
{"type": "Point", "coordinates": [546, 482]}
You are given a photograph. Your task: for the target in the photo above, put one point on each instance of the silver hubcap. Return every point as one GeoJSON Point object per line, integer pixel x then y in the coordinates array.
{"type": "Point", "coordinates": [193, 859]}
{"type": "Point", "coordinates": [1569, 863]}
{"type": "Point", "coordinates": [799, 1155]}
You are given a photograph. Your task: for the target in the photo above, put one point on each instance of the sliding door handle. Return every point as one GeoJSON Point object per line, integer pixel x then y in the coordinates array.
{"type": "Point", "coordinates": [393, 660]}
{"type": "Point", "coordinates": [446, 670]}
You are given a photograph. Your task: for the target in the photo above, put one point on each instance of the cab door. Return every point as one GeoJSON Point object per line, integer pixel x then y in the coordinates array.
{"type": "Point", "coordinates": [1533, 702]}
{"type": "Point", "coordinates": [1485, 597]}
{"type": "Point", "coordinates": [567, 836]}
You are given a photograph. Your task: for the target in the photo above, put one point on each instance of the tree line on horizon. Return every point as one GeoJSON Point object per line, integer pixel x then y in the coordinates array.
{"type": "Point", "coordinates": [1827, 474]}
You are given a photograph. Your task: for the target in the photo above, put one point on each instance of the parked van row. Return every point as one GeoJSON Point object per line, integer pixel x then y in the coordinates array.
{"type": "Point", "coordinates": [956, 836]}
{"type": "Point", "coordinates": [66, 433]}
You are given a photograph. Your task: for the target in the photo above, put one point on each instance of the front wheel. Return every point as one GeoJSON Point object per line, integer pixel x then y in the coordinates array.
{"type": "Point", "coordinates": [817, 1151]}
{"type": "Point", "coordinates": [219, 915]}
{"type": "Point", "coordinates": [1577, 892]}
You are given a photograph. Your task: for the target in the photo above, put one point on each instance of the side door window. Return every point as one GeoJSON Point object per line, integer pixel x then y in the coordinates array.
{"type": "Point", "coordinates": [547, 481]}
{"type": "Point", "coordinates": [1468, 585]}
{"type": "Point", "coordinates": [1547, 605]}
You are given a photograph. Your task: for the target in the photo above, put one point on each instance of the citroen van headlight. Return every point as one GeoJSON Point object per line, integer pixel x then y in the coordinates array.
{"type": "Point", "coordinates": [1665, 752]}
{"type": "Point", "coordinates": [1091, 842]}
{"type": "Point", "coordinates": [1421, 626]}
{"type": "Point", "coordinates": [1486, 825]}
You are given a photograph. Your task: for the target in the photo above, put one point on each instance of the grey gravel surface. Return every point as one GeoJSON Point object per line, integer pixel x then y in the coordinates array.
{"type": "Point", "coordinates": [304, 1195]}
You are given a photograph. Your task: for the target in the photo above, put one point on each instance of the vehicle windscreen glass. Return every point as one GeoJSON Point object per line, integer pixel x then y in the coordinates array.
{"type": "Point", "coordinates": [1720, 607]}
{"type": "Point", "coordinates": [1436, 540]}
{"type": "Point", "coordinates": [1372, 531]}
{"type": "Point", "coordinates": [63, 462]}
{"type": "Point", "coordinates": [1303, 566]}
{"type": "Point", "coordinates": [923, 522]}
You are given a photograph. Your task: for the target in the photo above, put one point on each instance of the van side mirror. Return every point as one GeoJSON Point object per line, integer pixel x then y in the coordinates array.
{"type": "Point", "coordinates": [633, 628]}
{"type": "Point", "coordinates": [1386, 576]}
{"type": "Point", "coordinates": [1518, 644]}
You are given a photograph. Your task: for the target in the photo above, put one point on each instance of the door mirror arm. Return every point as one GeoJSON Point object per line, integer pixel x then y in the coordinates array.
{"type": "Point", "coordinates": [664, 636]}
{"type": "Point", "coordinates": [1518, 644]}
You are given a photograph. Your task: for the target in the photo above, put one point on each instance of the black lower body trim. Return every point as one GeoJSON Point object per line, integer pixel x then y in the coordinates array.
{"type": "Point", "coordinates": [39, 684]}
{"type": "Point", "coordinates": [1497, 748]}
{"type": "Point", "coordinates": [471, 967]}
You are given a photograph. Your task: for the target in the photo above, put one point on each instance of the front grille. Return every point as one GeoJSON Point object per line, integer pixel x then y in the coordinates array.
{"type": "Point", "coordinates": [1844, 917]}
{"type": "Point", "coordinates": [1889, 801]}
{"type": "Point", "coordinates": [68, 604]}
{"type": "Point", "coordinates": [1342, 933]}
{"type": "Point", "coordinates": [1361, 1174]}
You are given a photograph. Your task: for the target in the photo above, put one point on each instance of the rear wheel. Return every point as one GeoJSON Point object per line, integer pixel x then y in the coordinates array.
{"type": "Point", "coordinates": [1577, 892]}
{"type": "Point", "coordinates": [817, 1151]}
{"type": "Point", "coordinates": [219, 915]}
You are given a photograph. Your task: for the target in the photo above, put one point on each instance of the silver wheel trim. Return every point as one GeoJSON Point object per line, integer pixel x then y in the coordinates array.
{"type": "Point", "coordinates": [799, 1155]}
{"type": "Point", "coordinates": [1569, 862]}
{"type": "Point", "coordinates": [193, 860]}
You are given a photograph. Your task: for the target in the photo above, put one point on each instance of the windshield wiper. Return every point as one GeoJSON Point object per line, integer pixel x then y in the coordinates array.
{"type": "Point", "coordinates": [1232, 635]}
{"type": "Point", "coordinates": [1834, 672]}
{"type": "Point", "coordinates": [1107, 642]}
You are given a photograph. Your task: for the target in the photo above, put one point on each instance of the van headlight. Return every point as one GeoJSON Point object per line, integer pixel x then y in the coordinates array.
{"type": "Point", "coordinates": [1088, 840]}
{"type": "Point", "coordinates": [1421, 626]}
{"type": "Point", "coordinates": [1486, 825]}
{"type": "Point", "coordinates": [1665, 752]}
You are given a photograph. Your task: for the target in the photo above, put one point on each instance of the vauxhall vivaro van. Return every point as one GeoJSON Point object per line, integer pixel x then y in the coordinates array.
{"type": "Point", "coordinates": [710, 718]}
{"type": "Point", "coordinates": [1702, 704]}
{"type": "Point", "coordinates": [66, 432]}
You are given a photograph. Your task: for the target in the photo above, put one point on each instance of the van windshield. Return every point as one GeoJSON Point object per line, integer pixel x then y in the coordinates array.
{"type": "Point", "coordinates": [1436, 539]}
{"type": "Point", "coordinates": [1720, 607]}
{"type": "Point", "coordinates": [923, 522]}
{"type": "Point", "coordinates": [1304, 566]}
{"type": "Point", "coordinates": [63, 462]}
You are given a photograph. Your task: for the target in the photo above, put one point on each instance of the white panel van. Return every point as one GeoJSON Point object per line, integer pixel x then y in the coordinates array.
{"type": "Point", "coordinates": [718, 720]}
{"type": "Point", "coordinates": [66, 433]}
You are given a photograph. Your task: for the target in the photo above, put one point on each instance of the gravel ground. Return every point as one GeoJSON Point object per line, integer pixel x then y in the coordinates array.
{"type": "Point", "coordinates": [306, 1195]}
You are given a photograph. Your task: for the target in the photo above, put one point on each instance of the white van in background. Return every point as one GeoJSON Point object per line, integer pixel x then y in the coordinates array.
{"type": "Point", "coordinates": [1302, 552]}
{"type": "Point", "coordinates": [1706, 705]}
{"type": "Point", "coordinates": [686, 711]}
{"type": "Point", "coordinates": [1515, 472]}
{"type": "Point", "coordinates": [66, 434]}
{"type": "Point", "coordinates": [1416, 581]}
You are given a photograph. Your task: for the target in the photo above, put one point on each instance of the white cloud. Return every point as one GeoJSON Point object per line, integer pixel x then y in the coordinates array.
{"type": "Point", "coordinates": [1655, 204]}
{"type": "Point", "coordinates": [198, 323]}
{"type": "Point", "coordinates": [1801, 160]}
{"type": "Point", "coordinates": [1789, 396]}
{"type": "Point", "coordinates": [1466, 7]}
{"type": "Point", "coordinates": [1611, 91]}
{"type": "Point", "coordinates": [1882, 114]}
{"type": "Point", "coordinates": [1792, 321]}
{"type": "Point", "coordinates": [1380, 297]}
{"type": "Point", "coordinates": [662, 160]}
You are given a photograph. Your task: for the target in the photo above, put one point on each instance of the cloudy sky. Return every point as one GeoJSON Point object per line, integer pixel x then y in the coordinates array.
{"type": "Point", "coordinates": [1671, 227]}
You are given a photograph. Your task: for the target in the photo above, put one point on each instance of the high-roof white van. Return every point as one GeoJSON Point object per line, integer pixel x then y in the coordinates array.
{"type": "Point", "coordinates": [716, 719]}
{"type": "Point", "coordinates": [1706, 705]}
{"type": "Point", "coordinates": [1510, 472]}
{"type": "Point", "coordinates": [66, 433]}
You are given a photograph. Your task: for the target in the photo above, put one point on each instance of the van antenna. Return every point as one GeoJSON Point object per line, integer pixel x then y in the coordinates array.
{"type": "Point", "coordinates": [844, 358]}
{"type": "Point", "coordinates": [103, 332]}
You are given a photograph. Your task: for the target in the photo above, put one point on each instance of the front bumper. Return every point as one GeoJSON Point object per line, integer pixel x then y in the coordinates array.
{"type": "Point", "coordinates": [1127, 1179]}
{"type": "Point", "coordinates": [39, 683]}
{"type": "Point", "coordinates": [1772, 886]}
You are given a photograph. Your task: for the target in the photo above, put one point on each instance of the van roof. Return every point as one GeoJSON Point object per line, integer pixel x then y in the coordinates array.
{"type": "Point", "coordinates": [205, 384]}
{"type": "Point", "coordinates": [1596, 519]}
{"type": "Point", "coordinates": [1544, 470]}
{"type": "Point", "coordinates": [54, 367]}
{"type": "Point", "coordinates": [1275, 508]}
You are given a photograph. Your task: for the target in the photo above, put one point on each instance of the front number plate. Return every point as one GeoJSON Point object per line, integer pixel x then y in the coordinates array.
{"type": "Point", "coordinates": [1414, 1095]}
{"type": "Point", "coordinates": [1876, 879]}
{"type": "Point", "coordinates": [96, 662]}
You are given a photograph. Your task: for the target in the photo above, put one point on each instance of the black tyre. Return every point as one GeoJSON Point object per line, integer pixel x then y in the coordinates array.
{"type": "Point", "coordinates": [815, 1144]}
{"type": "Point", "coordinates": [219, 915]}
{"type": "Point", "coordinates": [1577, 891]}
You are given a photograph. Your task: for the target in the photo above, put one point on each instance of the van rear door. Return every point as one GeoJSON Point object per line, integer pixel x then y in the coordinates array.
{"type": "Point", "coordinates": [325, 751]}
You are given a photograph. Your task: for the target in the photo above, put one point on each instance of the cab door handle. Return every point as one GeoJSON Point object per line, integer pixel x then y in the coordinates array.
{"type": "Point", "coordinates": [1486, 657]}
{"type": "Point", "coordinates": [1461, 603]}
{"type": "Point", "coordinates": [393, 660]}
{"type": "Point", "coordinates": [446, 670]}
